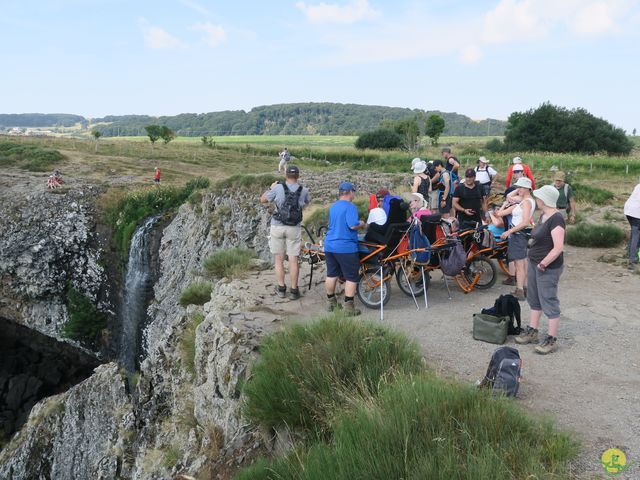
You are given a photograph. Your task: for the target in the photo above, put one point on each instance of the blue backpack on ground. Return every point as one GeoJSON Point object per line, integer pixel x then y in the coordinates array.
{"type": "Point", "coordinates": [504, 373]}
{"type": "Point", "coordinates": [417, 239]}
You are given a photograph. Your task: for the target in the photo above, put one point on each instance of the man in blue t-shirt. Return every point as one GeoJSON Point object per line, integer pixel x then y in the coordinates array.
{"type": "Point", "coordinates": [341, 248]}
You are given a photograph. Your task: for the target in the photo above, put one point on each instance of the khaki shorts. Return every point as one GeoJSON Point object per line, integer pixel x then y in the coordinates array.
{"type": "Point", "coordinates": [285, 239]}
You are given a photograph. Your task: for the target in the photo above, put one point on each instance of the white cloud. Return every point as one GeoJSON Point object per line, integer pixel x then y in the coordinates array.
{"type": "Point", "coordinates": [156, 37]}
{"type": "Point", "coordinates": [196, 7]}
{"type": "Point", "coordinates": [333, 13]}
{"type": "Point", "coordinates": [594, 19]}
{"type": "Point", "coordinates": [512, 20]}
{"type": "Point", "coordinates": [214, 35]}
{"type": "Point", "coordinates": [471, 55]}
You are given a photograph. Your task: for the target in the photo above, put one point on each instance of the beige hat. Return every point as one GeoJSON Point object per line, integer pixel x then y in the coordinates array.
{"type": "Point", "coordinates": [548, 195]}
{"type": "Point", "coordinates": [484, 160]}
{"type": "Point", "coordinates": [416, 196]}
{"type": "Point", "coordinates": [559, 176]}
{"type": "Point", "coordinates": [419, 167]}
{"type": "Point", "coordinates": [523, 182]}
{"type": "Point", "coordinates": [414, 162]}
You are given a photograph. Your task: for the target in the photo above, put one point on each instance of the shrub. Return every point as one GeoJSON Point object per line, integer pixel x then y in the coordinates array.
{"type": "Point", "coordinates": [598, 236]}
{"type": "Point", "coordinates": [242, 181]}
{"type": "Point", "coordinates": [85, 322]}
{"type": "Point", "coordinates": [188, 343]}
{"type": "Point", "coordinates": [429, 428]}
{"type": "Point", "coordinates": [587, 193]}
{"type": "Point", "coordinates": [495, 145]}
{"type": "Point", "coordinates": [197, 293]}
{"type": "Point", "coordinates": [382, 139]}
{"type": "Point", "coordinates": [28, 156]}
{"type": "Point", "coordinates": [308, 372]}
{"type": "Point", "coordinates": [229, 263]}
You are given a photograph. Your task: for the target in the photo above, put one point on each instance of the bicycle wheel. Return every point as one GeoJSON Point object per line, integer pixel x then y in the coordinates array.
{"type": "Point", "coordinates": [370, 290]}
{"type": "Point", "coordinates": [485, 268]}
{"type": "Point", "coordinates": [415, 280]}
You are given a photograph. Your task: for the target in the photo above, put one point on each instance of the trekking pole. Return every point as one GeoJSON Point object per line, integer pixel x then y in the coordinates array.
{"type": "Point", "coordinates": [424, 288]}
{"type": "Point", "coordinates": [406, 276]}
{"type": "Point", "coordinates": [381, 296]}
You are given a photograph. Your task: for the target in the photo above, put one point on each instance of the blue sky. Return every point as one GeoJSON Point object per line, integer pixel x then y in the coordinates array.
{"type": "Point", "coordinates": [481, 58]}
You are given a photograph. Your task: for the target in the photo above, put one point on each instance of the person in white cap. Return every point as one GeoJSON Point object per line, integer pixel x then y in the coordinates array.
{"type": "Point", "coordinates": [417, 204]}
{"type": "Point", "coordinates": [485, 176]}
{"type": "Point", "coordinates": [422, 181]}
{"type": "Point", "coordinates": [545, 267]}
{"type": "Point", "coordinates": [527, 172]}
{"type": "Point", "coordinates": [521, 215]}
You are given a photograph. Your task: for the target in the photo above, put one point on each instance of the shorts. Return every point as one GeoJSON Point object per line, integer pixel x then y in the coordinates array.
{"type": "Point", "coordinates": [542, 290]}
{"type": "Point", "coordinates": [285, 239]}
{"type": "Point", "coordinates": [485, 188]}
{"type": "Point", "coordinates": [447, 208]}
{"type": "Point", "coordinates": [156, 180]}
{"type": "Point", "coordinates": [346, 265]}
{"type": "Point", "coordinates": [517, 247]}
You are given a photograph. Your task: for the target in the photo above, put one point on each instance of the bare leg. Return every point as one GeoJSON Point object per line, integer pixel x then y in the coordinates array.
{"type": "Point", "coordinates": [350, 289]}
{"type": "Point", "coordinates": [520, 273]}
{"type": "Point", "coordinates": [330, 285]}
{"type": "Point", "coordinates": [294, 269]}
{"type": "Point", "coordinates": [279, 265]}
{"type": "Point", "coordinates": [534, 319]}
{"type": "Point", "coordinates": [512, 268]}
{"type": "Point", "coordinates": [554, 323]}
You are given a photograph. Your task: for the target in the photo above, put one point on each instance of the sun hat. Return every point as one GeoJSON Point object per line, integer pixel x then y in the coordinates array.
{"type": "Point", "coordinates": [517, 160]}
{"type": "Point", "coordinates": [419, 167]}
{"type": "Point", "coordinates": [523, 182]}
{"type": "Point", "coordinates": [416, 196]}
{"type": "Point", "coordinates": [484, 160]}
{"type": "Point", "coordinates": [347, 187]}
{"type": "Point", "coordinates": [378, 216]}
{"type": "Point", "coordinates": [470, 172]}
{"type": "Point", "coordinates": [559, 176]}
{"type": "Point", "coordinates": [518, 168]}
{"type": "Point", "coordinates": [414, 161]}
{"type": "Point", "coordinates": [548, 194]}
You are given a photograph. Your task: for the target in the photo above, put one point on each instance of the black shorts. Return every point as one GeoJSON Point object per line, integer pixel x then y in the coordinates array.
{"type": "Point", "coordinates": [346, 265]}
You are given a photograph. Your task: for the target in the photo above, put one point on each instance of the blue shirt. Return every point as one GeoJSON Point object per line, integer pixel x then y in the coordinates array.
{"type": "Point", "coordinates": [341, 238]}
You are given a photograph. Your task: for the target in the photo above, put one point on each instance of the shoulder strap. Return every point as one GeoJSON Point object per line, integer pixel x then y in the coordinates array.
{"type": "Point", "coordinates": [566, 191]}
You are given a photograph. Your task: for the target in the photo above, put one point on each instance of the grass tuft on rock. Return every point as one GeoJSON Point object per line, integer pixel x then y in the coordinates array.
{"type": "Point", "coordinates": [230, 263]}
{"type": "Point", "coordinates": [595, 236]}
{"type": "Point", "coordinates": [197, 293]}
{"type": "Point", "coordinates": [188, 343]}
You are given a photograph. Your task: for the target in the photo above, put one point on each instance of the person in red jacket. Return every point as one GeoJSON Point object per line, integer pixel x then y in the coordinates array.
{"type": "Point", "coordinates": [527, 172]}
{"type": "Point", "coordinates": [156, 176]}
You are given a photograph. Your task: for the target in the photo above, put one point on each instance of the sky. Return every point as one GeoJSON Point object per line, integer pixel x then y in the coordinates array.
{"type": "Point", "coordinates": [479, 58]}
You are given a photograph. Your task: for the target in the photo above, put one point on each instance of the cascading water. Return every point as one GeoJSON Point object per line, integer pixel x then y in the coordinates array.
{"type": "Point", "coordinates": [137, 292]}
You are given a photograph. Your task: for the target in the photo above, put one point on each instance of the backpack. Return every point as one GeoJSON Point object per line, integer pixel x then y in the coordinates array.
{"type": "Point", "coordinates": [453, 263]}
{"type": "Point", "coordinates": [290, 212]}
{"type": "Point", "coordinates": [507, 306]}
{"type": "Point", "coordinates": [504, 372]}
{"type": "Point", "coordinates": [417, 239]}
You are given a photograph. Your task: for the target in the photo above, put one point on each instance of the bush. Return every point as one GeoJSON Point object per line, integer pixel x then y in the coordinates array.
{"type": "Point", "coordinates": [308, 372]}
{"type": "Point", "coordinates": [188, 342]}
{"type": "Point", "coordinates": [242, 181]}
{"type": "Point", "coordinates": [382, 139]}
{"type": "Point", "coordinates": [596, 236]}
{"type": "Point", "coordinates": [197, 293]}
{"type": "Point", "coordinates": [85, 322]}
{"type": "Point", "coordinates": [429, 428]}
{"type": "Point", "coordinates": [28, 156]}
{"type": "Point", "coordinates": [555, 129]}
{"type": "Point", "coordinates": [495, 145]}
{"type": "Point", "coordinates": [229, 263]}
{"type": "Point", "coordinates": [587, 193]}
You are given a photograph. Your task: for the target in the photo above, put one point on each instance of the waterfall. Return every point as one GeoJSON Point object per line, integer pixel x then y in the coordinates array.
{"type": "Point", "coordinates": [137, 292]}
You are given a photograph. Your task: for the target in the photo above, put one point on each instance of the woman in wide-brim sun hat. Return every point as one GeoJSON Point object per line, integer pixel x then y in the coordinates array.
{"type": "Point", "coordinates": [422, 180]}
{"type": "Point", "coordinates": [521, 215]}
{"type": "Point", "coordinates": [546, 264]}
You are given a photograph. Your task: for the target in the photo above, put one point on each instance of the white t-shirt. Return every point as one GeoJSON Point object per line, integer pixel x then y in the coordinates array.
{"type": "Point", "coordinates": [484, 175]}
{"type": "Point", "coordinates": [632, 205]}
{"type": "Point", "coordinates": [518, 213]}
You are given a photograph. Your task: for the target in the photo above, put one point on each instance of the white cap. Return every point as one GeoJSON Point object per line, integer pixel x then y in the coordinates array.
{"type": "Point", "coordinates": [378, 216]}
{"type": "Point", "coordinates": [414, 161]}
{"type": "Point", "coordinates": [419, 167]}
{"type": "Point", "coordinates": [517, 160]}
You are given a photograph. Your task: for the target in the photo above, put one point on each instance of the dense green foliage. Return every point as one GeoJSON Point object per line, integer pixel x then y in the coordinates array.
{"type": "Point", "coordinates": [40, 120]}
{"type": "Point", "coordinates": [434, 128]}
{"type": "Point", "coordinates": [197, 293]}
{"type": "Point", "coordinates": [595, 236]}
{"type": "Point", "coordinates": [28, 156]}
{"type": "Point", "coordinates": [153, 132]}
{"type": "Point", "coordinates": [381, 139]}
{"type": "Point", "coordinates": [307, 373]}
{"type": "Point", "coordinates": [587, 193]}
{"type": "Point", "coordinates": [495, 145]}
{"type": "Point", "coordinates": [127, 213]}
{"type": "Point", "coordinates": [85, 322]}
{"type": "Point", "coordinates": [230, 263]}
{"type": "Point", "coordinates": [549, 128]}
{"type": "Point", "coordinates": [293, 119]}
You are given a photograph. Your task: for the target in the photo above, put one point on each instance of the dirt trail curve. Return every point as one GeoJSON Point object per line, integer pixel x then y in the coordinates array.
{"type": "Point", "coordinates": [590, 386]}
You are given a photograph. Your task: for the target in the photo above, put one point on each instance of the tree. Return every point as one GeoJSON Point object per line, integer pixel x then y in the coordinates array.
{"type": "Point", "coordinates": [634, 132]}
{"type": "Point", "coordinates": [409, 131]}
{"type": "Point", "coordinates": [154, 132]}
{"type": "Point", "coordinates": [96, 134]}
{"type": "Point", "coordinates": [166, 134]}
{"type": "Point", "coordinates": [384, 139]}
{"type": "Point", "coordinates": [434, 128]}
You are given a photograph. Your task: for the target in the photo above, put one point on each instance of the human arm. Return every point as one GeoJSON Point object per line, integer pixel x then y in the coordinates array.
{"type": "Point", "coordinates": [352, 219]}
{"type": "Point", "coordinates": [270, 194]}
{"type": "Point", "coordinates": [416, 184]}
{"type": "Point", "coordinates": [447, 187]}
{"type": "Point", "coordinates": [526, 220]}
{"type": "Point", "coordinates": [493, 175]}
{"type": "Point", "coordinates": [458, 208]}
{"type": "Point", "coordinates": [454, 164]}
{"type": "Point", "coordinates": [557, 234]}
{"type": "Point", "coordinates": [571, 204]}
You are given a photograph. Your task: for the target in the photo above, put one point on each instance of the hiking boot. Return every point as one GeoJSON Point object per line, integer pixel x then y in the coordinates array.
{"type": "Point", "coordinates": [519, 294]}
{"type": "Point", "coordinates": [549, 345]}
{"type": "Point", "coordinates": [294, 294]}
{"type": "Point", "coordinates": [332, 304]}
{"type": "Point", "coordinates": [281, 291]}
{"type": "Point", "coordinates": [530, 335]}
{"type": "Point", "coordinates": [350, 310]}
{"type": "Point", "coordinates": [509, 281]}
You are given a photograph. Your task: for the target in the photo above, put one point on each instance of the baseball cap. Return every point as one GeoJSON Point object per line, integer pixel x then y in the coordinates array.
{"type": "Point", "coordinates": [470, 172]}
{"type": "Point", "coordinates": [517, 160]}
{"type": "Point", "coordinates": [293, 170]}
{"type": "Point", "coordinates": [346, 187]}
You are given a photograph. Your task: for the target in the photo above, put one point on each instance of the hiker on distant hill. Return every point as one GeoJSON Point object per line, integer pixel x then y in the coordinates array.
{"type": "Point", "coordinates": [285, 235]}
{"type": "Point", "coordinates": [566, 200]}
{"type": "Point", "coordinates": [341, 249]}
{"type": "Point", "coordinates": [284, 158]}
{"type": "Point", "coordinates": [632, 211]}
{"type": "Point", "coordinates": [526, 170]}
{"type": "Point", "coordinates": [156, 176]}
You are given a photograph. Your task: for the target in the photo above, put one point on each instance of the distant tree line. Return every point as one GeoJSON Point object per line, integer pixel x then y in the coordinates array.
{"type": "Point", "coordinates": [40, 120]}
{"type": "Point", "coordinates": [403, 133]}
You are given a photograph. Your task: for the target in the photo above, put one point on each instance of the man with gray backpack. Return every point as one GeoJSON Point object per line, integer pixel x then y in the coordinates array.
{"type": "Point", "coordinates": [285, 235]}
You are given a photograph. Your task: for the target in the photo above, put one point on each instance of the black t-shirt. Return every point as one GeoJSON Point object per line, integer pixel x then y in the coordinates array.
{"type": "Point", "coordinates": [542, 241]}
{"type": "Point", "coordinates": [469, 198]}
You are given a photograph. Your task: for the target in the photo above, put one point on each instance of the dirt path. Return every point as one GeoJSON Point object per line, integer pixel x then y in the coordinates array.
{"type": "Point", "coordinates": [590, 386]}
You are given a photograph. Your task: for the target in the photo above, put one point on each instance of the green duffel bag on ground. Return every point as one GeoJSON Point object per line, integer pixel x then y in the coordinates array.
{"type": "Point", "coordinates": [489, 328]}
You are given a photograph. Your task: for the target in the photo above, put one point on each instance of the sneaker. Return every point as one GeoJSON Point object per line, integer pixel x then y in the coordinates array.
{"type": "Point", "coordinates": [509, 281]}
{"type": "Point", "coordinates": [519, 294]}
{"type": "Point", "coordinates": [350, 309]}
{"type": "Point", "coordinates": [549, 345]}
{"type": "Point", "coordinates": [294, 294]}
{"type": "Point", "coordinates": [281, 291]}
{"type": "Point", "coordinates": [332, 304]}
{"type": "Point", "coordinates": [530, 335]}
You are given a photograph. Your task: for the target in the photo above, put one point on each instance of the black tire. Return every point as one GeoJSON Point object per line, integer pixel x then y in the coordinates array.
{"type": "Point", "coordinates": [487, 269]}
{"type": "Point", "coordinates": [416, 284]}
{"type": "Point", "coordinates": [370, 297]}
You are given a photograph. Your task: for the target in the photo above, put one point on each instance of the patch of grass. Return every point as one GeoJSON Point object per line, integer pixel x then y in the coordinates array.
{"type": "Point", "coordinates": [28, 156]}
{"type": "Point", "coordinates": [614, 217]}
{"type": "Point", "coordinates": [307, 373]}
{"type": "Point", "coordinates": [317, 218]}
{"type": "Point", "coordinates": [85, 322]}
{"type": "Point", "coordinates": [197, 293]}
{"type": "Point", "coordinates": [429, 428]}
{"type": "Point", "coordinates": [595, 236]}
{"type": "Point", "coordinates": [242, 181]}
{"type": "Point", "coordinates": [589, 194]}
{"type": "Point", "coordinates": [230, 263]}
{"type": "Point", "coordinates": [188, 343]}
{"type": "Point", "coordinates": [171, 457]}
